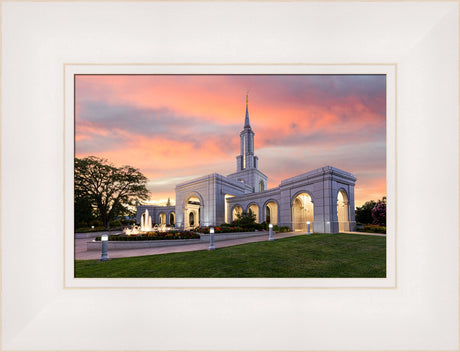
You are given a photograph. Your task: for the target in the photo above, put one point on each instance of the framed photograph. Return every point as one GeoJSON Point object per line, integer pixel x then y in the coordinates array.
{"type": "Point", "coordinates": [354, 109]}
{"type": "Point", "coordinates": [90, 79]}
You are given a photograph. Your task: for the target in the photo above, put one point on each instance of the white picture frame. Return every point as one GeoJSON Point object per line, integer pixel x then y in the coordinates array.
{"type": "Point", "coordinates": [71, 70]}
{"type": "Point", "coordinates": [40, 311]}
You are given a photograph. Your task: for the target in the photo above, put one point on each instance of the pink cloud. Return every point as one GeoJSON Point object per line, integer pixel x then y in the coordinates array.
{"type": "Point", "coordinates": [188, 125]}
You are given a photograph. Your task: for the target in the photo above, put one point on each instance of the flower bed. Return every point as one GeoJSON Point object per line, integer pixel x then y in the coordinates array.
{"type": "Point", "coordinates": [153, 236]}
{"type": "Point", "coordinates": [230, 229]}
{"type": "Point", "coordinates": [97, 229]}
{"type": "Point", "coordinates": [89, 229]}
{"type": "Point", "coordinates": [223, 229]}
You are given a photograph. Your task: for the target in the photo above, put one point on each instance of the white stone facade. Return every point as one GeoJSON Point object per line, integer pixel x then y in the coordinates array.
{"type": "Point", "coordinates": [324, 197]}
{"type": "Point", "coordinates": [160, 214]}
{"type": "Point", "coordinates": [322, 186]}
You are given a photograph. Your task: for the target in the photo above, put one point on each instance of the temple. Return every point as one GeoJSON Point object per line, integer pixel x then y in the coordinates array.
{"type": "Point", "coordinates": [324, 196]}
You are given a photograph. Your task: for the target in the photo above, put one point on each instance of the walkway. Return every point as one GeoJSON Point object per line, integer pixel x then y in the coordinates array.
{"type": "Point", "coordinates": [82, 254]}
{"type": "Point", "coordinates": [365, 233]}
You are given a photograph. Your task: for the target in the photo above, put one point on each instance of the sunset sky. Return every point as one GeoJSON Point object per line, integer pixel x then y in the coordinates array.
{"type": "Point", "coordinates": [178, 127]}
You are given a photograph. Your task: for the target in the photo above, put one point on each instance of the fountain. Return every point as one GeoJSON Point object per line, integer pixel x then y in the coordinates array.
{"type": "Point", "coordinates": [146, 226]}
{"type": "Point", "coordinates": [146, 221]}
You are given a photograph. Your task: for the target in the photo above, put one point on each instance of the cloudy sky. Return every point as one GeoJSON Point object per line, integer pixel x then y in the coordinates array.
{"type": "Point", "coordinates": [178, 127]}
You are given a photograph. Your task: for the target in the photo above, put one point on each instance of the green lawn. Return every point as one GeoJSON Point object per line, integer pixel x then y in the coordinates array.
{"type": "Point", "coordinates": [318, 255]}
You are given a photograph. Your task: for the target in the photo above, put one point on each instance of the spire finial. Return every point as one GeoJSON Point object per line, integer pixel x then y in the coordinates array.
{"type": "Point", "coordinates": [246, 119]}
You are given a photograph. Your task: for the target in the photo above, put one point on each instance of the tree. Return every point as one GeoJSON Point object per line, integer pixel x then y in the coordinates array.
{"type": "Point", "coordinates": [84, 213]}
{"type": "Point", "coordinates": [379, 213]}
{"type": "Point", "coordinates": [245, 219]}
{"type": "Point", "coordinates": [363, 214]}
{"type": "Point", "coordinates": [111, 191]}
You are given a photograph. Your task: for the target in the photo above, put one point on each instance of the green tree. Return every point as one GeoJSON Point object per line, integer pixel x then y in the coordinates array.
{"type": "Point", "coordinates": [245, 219]}
{"type": "Point", "coordinates": [366, 213]}
{"type": "Point", "coordinates": [83, 211]}
{"type": "Point", "coordinates": [363, 214]}
{"type": "Point", "coordinates": [109, 190]}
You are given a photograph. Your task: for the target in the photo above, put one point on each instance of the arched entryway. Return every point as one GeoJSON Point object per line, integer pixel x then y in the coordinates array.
{"type": "Point", "coordinates": [236, 211]}
{"type": "Point", "coordinates": [271, 213]}
{"type": "Point", "coordinates": [172, 218]}
{"type": "Point", "coordinates": [343, 211]}
{"type": "Point", "coordinates": [302, 211]}
{"type": "Point", "coordinates": [192, 212]}
{"type": "Point", "coordinates": [253, 208]}
{"type": "Point", "coordinates": [162, 219]}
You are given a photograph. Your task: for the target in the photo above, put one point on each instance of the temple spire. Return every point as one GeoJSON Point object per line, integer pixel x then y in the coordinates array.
{"type": "Point", "coordinates": [246, 119]}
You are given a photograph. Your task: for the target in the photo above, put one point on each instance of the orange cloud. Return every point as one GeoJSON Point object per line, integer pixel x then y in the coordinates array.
{"type": "Point", "coordinates": [178, 125]}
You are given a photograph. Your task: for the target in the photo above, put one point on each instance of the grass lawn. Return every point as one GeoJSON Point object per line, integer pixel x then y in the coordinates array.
{"type": "Point", "coordinates": [318, 255]}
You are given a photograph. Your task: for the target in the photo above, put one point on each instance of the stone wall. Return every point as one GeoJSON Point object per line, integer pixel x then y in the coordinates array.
{"type": "Point", "coordinates": [321, 185]}
{"type": "Point", "coordinates": [154, 212]}
{"type": "Point", "coordinates": [211, 191]}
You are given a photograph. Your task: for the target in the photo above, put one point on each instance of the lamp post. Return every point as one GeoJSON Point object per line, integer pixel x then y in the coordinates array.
{"type": "Point", "coordinates": [270, 232]}
{"type": "Point", "coordinates": [308, 228]}
{"type": "Point", "coordinates": [211, 244]}
{"type": "Point", "coordinates": [104, 241]}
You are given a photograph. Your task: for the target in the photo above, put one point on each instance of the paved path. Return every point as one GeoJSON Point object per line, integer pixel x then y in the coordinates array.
{"type": "Point", "coordinates": [366, 233]}
{"type": "Point", "coordinates": [81, 252]}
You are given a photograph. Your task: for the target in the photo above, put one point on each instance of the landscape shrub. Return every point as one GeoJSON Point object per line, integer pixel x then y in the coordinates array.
{"type": "Point", "coordinates": [116, 223]}
{"type": "Point", "coordinates": [379, 213]}
{"type": "Point", "coordinates": [222, 229]}
{"type": "Point", "coordinates": [363, 214]}
{"type": "Point", "coordinates": [127, 222]}
{"type": "Point", "coordinates": [228, 228]}
{"type": "Point", "coordinates": [374, 229]}
{"type": "Point", "coordinates": [246, 220]}
{"type": "Point", "coordinates": [264, 225]}
{"type": "Point", "coordinates": [260, 227]}
{"type": "Point", "coordinates": [153, 236]}
{"type": "Point", "coordinates": [89, 229]}
{"type": "Point", "coordinates": [281, 228]}
{"type": "Point", "coordinates": [96, 223]}
{"type": "Point", "coordinates": [372, 212]}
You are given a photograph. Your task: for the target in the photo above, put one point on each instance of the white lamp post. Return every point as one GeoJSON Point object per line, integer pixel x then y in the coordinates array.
{"type": "Point", "coordinates": [270, 232]}
{"type": "Point", "coordinates": [308, 228]}
{"type": "Point", "coordinates": [211, 244]}
{"type": "Point", "coordinates": [104, 240]}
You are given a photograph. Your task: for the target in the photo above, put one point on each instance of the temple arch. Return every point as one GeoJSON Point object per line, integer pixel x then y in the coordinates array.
{"type": "Point", "coordinates": [237, 209]}
{"type": "Point", "coordinates": [343, 211]}
{"type": "Point", "coordinates": [162, 219]}
{"type": "Point", "coordinates": [271, 212]}
{"type": "Point", "coordinates": [302, 211]}
{"type": "Point", "coordinates": [192, 211]}
{"type": "Point", "coordinates": [172, 218]}
{"type": "Point", "coordinates": [254, 208]}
